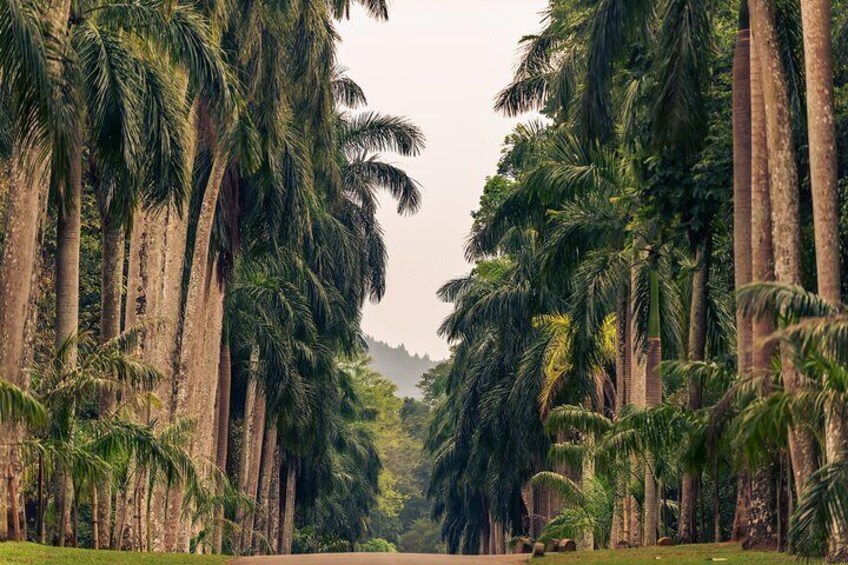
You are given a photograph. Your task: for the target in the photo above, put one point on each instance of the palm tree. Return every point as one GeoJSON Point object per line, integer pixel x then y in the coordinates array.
{"type": "Point", "coordinates": [760, 531]}
{"type": "Point", "coordinates": [818, 58]}
{"type": "Point", "coordinates": [742, 228]}
{"type": "Point", "coordinates": [783, 177]}
{"type": "Point", "coordinates": [815, 333]}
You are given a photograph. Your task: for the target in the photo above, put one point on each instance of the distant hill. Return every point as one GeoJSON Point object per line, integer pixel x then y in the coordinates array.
{"type": "Point", "coordinates": [399, 365]}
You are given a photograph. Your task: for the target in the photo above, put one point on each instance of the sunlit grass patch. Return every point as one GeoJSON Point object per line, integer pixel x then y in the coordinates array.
{"type": "Point", "coordinates": [34, 554]}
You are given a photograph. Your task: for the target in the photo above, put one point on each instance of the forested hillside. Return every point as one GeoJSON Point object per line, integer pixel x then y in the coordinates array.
{"type": "Point", "coordinates": [399, 365]}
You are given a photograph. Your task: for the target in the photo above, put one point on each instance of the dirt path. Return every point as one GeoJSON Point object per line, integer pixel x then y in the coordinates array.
{"type": "Point", "coordinates": [382, 558]}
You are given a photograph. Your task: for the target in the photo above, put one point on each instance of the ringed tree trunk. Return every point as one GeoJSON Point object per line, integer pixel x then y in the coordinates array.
{"type": "Point", "coordinates": [818, 58]}
{"type": "Point", "coordinates": [742, 171]}
{"type": "Point", "coordinates": [786, 231]}
{"type": "Point", "coordinates": [289, 508]}
{"type": "Point", "coordinates": [761, 523]}
{"type": "Point", "coordinates": [653, 398]}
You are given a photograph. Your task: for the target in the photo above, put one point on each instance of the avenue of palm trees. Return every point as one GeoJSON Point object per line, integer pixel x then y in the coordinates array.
{"type": "Point", "coordinates": [652, 340]}
{"type": "Point", "coordinates": [651, 343]}
{"type": "Point", "coordinates": [190, 195]}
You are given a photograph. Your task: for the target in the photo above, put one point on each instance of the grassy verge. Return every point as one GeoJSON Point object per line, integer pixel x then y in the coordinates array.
{"type": "Point", "coordinates": [34, 554]}
{"type": "Point", "coordinates": [728, 553]}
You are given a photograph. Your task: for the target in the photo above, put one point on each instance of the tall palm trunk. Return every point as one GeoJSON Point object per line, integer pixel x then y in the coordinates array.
{"type": "Point", "coordinates": [111, 286]}
{"type": "Point", "coordinates": [617, 533]}
{"type": "Point", "coordinates": [27, 197]}
{"type": "Point", "coordinates": [783, 177]}
{"type": "Point", "coordinates": [697, 348]}
{"type": "Point", "coordinates": [818, 58]}
{"type": "Point", "coordinates": [246, 451]}
{"type": "Point", "coordinates": [742, 71]}
{"type": "Point", "coordinates": [255, 445]}
{"type": "Point", "coordinates": [761, 518]}
{"type": "Point", "coordinates": [653, 398]}
{"type": "Point", "coordinates": [636, 397]}
{"type": "Point", "coordinates": [68, 231]}
{"type": "Point", "coordinates": [225, 374]}
{"type": "Point", "coordinates": [290, 501]}
{"type": "Point", "coordinates": [274, 504]}
{"type": "Point", "coordinates": [190, 388]}
{"type": "Point", "coordinates": [266, 474]}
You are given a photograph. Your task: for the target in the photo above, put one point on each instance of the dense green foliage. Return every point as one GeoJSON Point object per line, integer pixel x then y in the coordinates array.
{"type": "Point", "coordinates": [604, 246]}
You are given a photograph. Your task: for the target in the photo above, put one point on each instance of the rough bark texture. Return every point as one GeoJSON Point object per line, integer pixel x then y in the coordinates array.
{"type": "Point", "coordinates": [223, 429]}
{"type": "Point", "coordinates": [255, 446]}
{"type": "Point", "coordinates": [289, 506]}
{"type": "Point", "coordinates": [194, 395]}
{"type": "Point", "coordinates": [786, 232]}
{"type": "Point", "coordinates": [246, 451]}
{"type": "Point", "coordinates": [263, 498]}
{"type": "Point", "coordinates": [818, 58]}
{"type": "Point", "coordinates": [274, 504]}
{"type": "Point", "coordinates": [761, 518]}
{"type": "Point", "coordinates": [653, 398]}
{"type": "Point", "coordinates": [26, 199]}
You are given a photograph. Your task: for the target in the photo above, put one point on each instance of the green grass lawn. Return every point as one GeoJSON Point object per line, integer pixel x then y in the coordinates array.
{"type": "Point", "coordinates": [34, 554]}
{"type": "Point", "coordinates": [729, 553]}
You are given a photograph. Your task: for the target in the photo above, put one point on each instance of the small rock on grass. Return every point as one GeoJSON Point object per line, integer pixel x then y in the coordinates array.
{"type": "Point", "coordinates": [538, 549]}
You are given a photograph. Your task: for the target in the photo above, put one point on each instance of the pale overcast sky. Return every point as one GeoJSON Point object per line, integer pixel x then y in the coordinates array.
{"type": "Point", "coordinates": [440, 63]}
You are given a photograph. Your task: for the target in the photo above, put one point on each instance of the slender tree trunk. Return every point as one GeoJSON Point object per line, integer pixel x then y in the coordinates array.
{"type": "Point", "coordinates": [111, 288]}
{"type": "Point", "coordinates": [617, 532]}
{"type": "Point", "coordinates": [289, 508]}
{"type": "Point", "coordinates": [274, 504]}
{"type": "Point", "coordinates": [818, 58]}
{"type": "Point", "coordinates": [636, 391]}
{"type": "Point", "coordinates": [783, 176]}
{"type": "Point", "coordinates": [42, 527]}
{"type": "Point", "coordinates": [266, 472]}
{"type": "Point", "coordinates": [95, 519]}
{"type": "Point", "coordinates": [760, 532]}
{"type": "Point", "coordinates": [742, 178]}
{"type": "Point", "coordinates": [255, 445]}
{"type": "Point", "coordinates": [67, 293]}
{"type": "Point", "coordinates": [653, 398]}
{"type": "Point", "coordinates": [225, 372]}
{"type": "Point", "coordinates": [246, 451]}
{"type": "Point", "coordinates": [697, 348]}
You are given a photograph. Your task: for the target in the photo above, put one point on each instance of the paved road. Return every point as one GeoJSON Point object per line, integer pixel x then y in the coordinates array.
{"type": "Point", "coordinates": [382, 558]}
